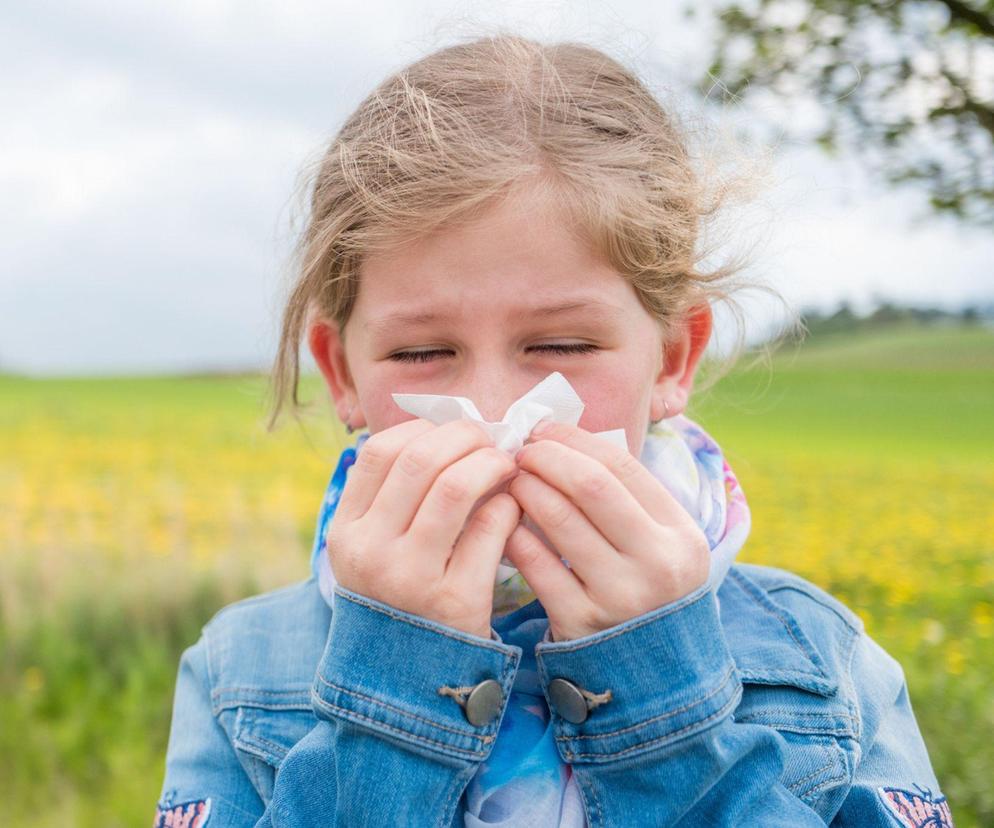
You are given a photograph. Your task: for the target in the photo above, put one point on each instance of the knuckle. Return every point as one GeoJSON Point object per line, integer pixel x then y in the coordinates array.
{"type": "Point", "coordinates": [626, 466]}
{"type": "Point", "coordinates": [455, 601]}
{"type": "Point", "coordinates": [501, 458]}
{"type": "Point", "coordinates": [375, 454]}
{"type": "Point", "coordinates": [508, 505]}
{"type": "Point", "coordinates": [393, 582]}
{"type": "Point", "coordinates": [556, 512]}
{"type": "Point", "coordinates": [596, 618]}
{"type": "Point", "coordinates": [592, 484]}
{"type": "Point", "coordinates": [414, 461]}
{"type": "Point", "coordinates": [487, 521]}
{"type": "Point", "coordinates": [470, 430]}
{"type": "Point", "coordinates": [529, 550]}
{"type": "Point", "coordinates": [349, 564]}
{"type": "Point", "coordinates": [493, 517]}
{"type": "Point", "coordinates": [453, 488]}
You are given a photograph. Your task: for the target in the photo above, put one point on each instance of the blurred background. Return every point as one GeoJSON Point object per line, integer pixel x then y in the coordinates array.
{"type": "Point", "coordinates": [150, 160]}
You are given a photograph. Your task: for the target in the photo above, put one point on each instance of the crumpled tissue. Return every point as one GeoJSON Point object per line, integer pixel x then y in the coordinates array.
{"type": "Point", "coordinates": [553, 399]}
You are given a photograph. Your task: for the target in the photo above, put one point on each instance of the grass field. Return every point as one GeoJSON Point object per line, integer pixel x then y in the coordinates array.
{"type": "Point", "coordinates": [132, 509]}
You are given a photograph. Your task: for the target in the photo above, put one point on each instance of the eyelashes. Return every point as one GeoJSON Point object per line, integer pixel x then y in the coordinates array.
{"type": "Point", "coordinates": [428, 356]}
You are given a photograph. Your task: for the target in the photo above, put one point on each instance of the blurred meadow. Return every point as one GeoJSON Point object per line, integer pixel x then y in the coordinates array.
{"type": "Point", "coordinates": [132, 509]}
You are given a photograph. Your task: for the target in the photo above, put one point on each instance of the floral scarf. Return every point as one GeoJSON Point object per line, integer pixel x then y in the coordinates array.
{"type": "Point", "coordinates": [524, 783]}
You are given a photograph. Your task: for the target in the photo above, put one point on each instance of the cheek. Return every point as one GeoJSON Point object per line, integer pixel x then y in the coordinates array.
{"type": "Point", "coordinates": [617, 400]}
{"type": "Point", "coordinates": [381, 412]}
{"type": "Point", "coordinates": [381, 420]}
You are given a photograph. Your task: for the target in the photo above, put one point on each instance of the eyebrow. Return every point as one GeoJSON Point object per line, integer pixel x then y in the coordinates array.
{"type": "Point", "coordinates": [592, 307]}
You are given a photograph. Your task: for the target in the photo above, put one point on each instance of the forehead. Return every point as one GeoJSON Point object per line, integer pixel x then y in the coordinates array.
{"type": "Point", "coordinates": [590, 309]}
{"type": "Point", "coordinates": [519, 259]}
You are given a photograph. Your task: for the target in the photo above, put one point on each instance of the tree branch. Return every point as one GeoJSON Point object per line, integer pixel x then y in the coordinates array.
{"type": "Point", "coordinates": [961, 11]}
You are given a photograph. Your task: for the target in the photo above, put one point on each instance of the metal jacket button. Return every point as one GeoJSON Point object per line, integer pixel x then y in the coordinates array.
{"type": "Point", "coordinates": [568, 700]}
{"type": "Point", "coordinates": [484, 702]}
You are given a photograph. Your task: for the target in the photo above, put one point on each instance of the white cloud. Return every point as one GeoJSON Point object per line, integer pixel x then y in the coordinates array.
{"type": "Point", "coordinates": [148, 154]}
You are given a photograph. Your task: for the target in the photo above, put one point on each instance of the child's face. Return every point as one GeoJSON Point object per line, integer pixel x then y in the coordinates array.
{"type": "Point", "coordinates": [488, 283]}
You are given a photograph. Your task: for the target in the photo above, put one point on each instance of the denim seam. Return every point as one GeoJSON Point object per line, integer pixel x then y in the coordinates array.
{"type": "Point", "coordinates": [796, 728]}
{"type": "Point", "coordinates": [255, 751]}
{"type": "Point", "coordinates": [208, 658]}
{"type": "Point", "coordinates": [397, 710]}
{"type": "Point", "coordinates": [263, 598]}
{"type": "Point", "coordinates": [820, 601]}
{"type": "Point", "coordinates": [834, 780]}
{"type": "Point", "coordinates": [729, 705]}
{"type": "Point", "coordinates": [256, 781]}
{"type": "Point", "coordinates": [236, 703]}
{"type": "Point", "coordinates": [852, 700]}
{"type": "Point", "coordinates": [247, 689]}
{"type": "Point", "coordinates": [553, 647]}
{"type": "Point", "coordinates": [781, 674]}
{"type": "Point", "coordinates": [597, 800]}
{"type": "Point", "coordinates": [275, 748]}
{"type": "Point", "coordinates": [798, 783]}
{"type": "Point", "coordinates": [218, 703]}
{"type": "Point", "coordinates": [668, 714]}
{"type": "Point", "coordinates": [457, 788]}
{"type": "Point", "coordinates": [597, 817]}
{"type": "Point", "coordinates": [448, 804]}
{"type": "Point", "coordinates": [351, 714]}
{"type": "Point", "coordinates": [793, 711]}
{"type": "Point", "coordinates": [481, 644]}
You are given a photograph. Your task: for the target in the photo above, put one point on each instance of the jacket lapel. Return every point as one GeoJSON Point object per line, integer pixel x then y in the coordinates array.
{"type": "Point", "coordinates": [766, 641]}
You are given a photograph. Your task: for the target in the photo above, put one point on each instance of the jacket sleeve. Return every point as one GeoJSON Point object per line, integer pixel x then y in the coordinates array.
{"type": "Point", "coordinates": [204, 783]}
{"type": "Point", "coordinates": [664, 748]}
{"type": "Point", "coordinates": [894, 783]}
{"type": "Point", "coordinates": [394, 745]}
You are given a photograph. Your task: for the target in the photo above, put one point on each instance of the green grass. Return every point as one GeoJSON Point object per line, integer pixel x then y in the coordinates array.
{"type": "Point", "coordinates": [866, 461]}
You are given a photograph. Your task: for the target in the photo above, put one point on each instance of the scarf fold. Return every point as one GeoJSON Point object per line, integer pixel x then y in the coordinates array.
{"type": "Point", "coordinates": [524, 783]}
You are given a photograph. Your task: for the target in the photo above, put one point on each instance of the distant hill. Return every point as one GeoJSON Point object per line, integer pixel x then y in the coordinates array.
{"type": "Point", "coordinates": [887, 314]}
{"type": "Point", "coordinates": [910, 346]}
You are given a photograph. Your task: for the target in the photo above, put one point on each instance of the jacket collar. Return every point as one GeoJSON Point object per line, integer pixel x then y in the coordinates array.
{"type": "Point", "coordinates": [766, 641]}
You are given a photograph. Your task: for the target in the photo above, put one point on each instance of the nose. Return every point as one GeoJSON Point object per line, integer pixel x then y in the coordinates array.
{"type": "Point", "coordinates": [492, 389]}
{"type": "Point", "coordinates": [492, 406]}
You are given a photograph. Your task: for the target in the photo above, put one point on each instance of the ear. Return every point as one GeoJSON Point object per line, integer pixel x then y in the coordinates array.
{"type": "Point", "coordinates": [680, 358]}
{"type": "Point", "coordinates": [328, 349]}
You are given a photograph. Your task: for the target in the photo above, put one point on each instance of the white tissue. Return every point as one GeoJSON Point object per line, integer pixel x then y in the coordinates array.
{"type": "Point", "coordinates": [553, 398]}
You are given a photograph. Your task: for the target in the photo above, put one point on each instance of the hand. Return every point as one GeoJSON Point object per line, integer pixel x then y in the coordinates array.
{"type": "Point", "coordinates": [400, 534]}
{"type": "Point", "coordinates": [631, 546]}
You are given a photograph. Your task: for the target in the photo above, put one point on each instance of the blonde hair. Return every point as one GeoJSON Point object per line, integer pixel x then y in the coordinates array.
{"type": "Point", "coordinates": [438, 140]}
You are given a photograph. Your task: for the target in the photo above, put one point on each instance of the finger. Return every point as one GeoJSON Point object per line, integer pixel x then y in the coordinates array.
{"type": "Point", "coordinates": [473, 565]}
{"type": "Point", "coordinates": [416, 468]}
{"type": "Point", "coordinates": [442, 514]}
{"type": "Point", "coordinates": [566, 527]}
{"type": "Point", "coordinates": [373, 460]}
{"type": "Point", "coordinates": [651, 495]}
{"type": "Point", "coordinates": [555, 586]}
{"type": "Point", "coordinates": [597, 493]}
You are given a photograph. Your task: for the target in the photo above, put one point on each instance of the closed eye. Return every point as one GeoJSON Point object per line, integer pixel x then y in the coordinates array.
{"type": "Point", "coordinates": [557, 348]}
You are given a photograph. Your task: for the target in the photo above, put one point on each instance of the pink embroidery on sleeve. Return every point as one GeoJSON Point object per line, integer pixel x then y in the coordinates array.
{"type": "Point", "coordinates": [192, 814]}
{"type": "Point", "coordinates": [917, 810]}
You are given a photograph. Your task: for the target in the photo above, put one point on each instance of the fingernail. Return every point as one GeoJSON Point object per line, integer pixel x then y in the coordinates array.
{"type": "Point", "coordinates": [541, 427]}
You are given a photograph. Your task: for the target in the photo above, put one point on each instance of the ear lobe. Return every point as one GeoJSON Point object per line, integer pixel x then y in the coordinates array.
{"type": "Point", "coordinates": [681, 356]}
{"type": "Point", "coordinates": [328, 349]}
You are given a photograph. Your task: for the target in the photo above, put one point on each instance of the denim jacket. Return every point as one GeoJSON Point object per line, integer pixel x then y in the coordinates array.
{"type": "Point", "coordinates": [767, 706]}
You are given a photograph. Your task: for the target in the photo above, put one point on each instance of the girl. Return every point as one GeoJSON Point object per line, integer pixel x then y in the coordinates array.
{"type": "Point", "coordinates": [495, 213]}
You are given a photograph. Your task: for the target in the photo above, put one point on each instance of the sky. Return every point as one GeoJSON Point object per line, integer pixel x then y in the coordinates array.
{"type": "Point", "coordinates": [151, 154]}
